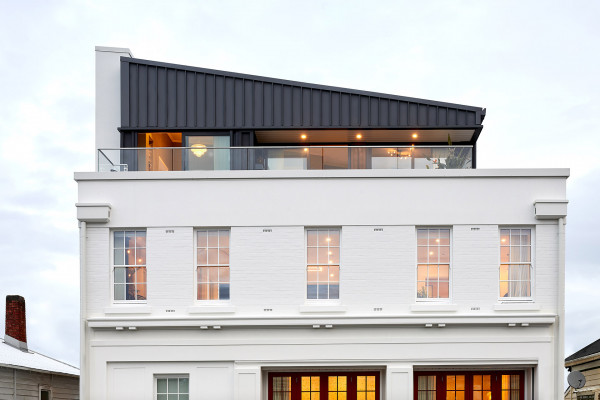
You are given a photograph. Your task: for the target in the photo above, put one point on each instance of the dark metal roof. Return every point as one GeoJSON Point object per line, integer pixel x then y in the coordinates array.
{"type": "Point", "coordinates": [157, 95]}
{"type": "Point", "coordinates": [590, 349]}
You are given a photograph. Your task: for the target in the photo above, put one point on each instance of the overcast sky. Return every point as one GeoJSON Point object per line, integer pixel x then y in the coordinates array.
{"type": "Point", "coordinates": [533, 64]}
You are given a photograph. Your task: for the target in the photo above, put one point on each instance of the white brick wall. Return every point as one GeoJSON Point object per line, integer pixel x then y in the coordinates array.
{"type": "Point", "coordinates": [475, 265]}
{"type": "Point", "coordinates": [268, 269]}
{"type": "Point", "coordinates": [546, 266]}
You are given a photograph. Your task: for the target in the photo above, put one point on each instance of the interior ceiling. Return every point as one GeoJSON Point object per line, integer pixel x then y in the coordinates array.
{"type": "Point", "coordinates": [368, 136]}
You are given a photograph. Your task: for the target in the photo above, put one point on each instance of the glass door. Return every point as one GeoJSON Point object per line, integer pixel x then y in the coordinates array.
{"type": "Point", "coordinates": [334, 385]}
{"type": "Point", "coordinates": [471, 385]}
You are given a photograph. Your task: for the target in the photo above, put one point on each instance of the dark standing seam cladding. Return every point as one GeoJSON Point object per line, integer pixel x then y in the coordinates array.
{"type": "Point", "coordinates": [157, 95]}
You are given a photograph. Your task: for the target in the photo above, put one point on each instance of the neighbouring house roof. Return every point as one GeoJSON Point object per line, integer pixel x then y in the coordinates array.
{"type": "Point", "coordinates": [14, 358]}
{"type": "Point", "coordinates": [156, 95]}
{"type": "Point", "coordinates": [587, 351]}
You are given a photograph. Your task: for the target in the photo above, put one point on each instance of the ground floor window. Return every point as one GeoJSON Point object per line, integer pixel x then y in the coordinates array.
{"type": "Point", "coordinates": [172, 388]}
{"type": "Point", "coordinates": [467, 385]}
{"type": "Point", "coordinates": [334, 385]}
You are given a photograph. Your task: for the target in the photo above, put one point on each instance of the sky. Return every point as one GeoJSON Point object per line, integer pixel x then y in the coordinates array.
{"type": "Point", "coordinates": [533, 65]}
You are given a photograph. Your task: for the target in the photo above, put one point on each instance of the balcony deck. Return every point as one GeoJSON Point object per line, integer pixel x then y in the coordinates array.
{"type": "Point", "coordinates": [200, 158]}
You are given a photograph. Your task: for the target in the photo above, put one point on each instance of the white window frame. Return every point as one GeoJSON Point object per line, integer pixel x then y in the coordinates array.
{"type": "Point", "coordinates": [112, 266]}
{"type": "Point", "coordinates": [531, 298]}
{"type": "Point", "coordinates": [450, 267]}
{"type": "Point", "coordinates": [196, 282]}
{"type": "Point", "coordinates": [170, 376]}
{"type": "Point", "coordinates": [322, 301]}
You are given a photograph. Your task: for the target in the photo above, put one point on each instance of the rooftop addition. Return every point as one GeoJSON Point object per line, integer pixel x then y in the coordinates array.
{"type": "Point", "coordinates": [176, 118]}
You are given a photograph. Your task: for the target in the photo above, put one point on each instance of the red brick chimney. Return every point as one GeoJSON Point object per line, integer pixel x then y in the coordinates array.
{"type": "Point", "coordinates": [15, 332]}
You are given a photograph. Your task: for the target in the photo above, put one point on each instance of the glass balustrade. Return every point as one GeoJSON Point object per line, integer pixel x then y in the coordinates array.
{"type": "Point", "coordinates": [201, 158]}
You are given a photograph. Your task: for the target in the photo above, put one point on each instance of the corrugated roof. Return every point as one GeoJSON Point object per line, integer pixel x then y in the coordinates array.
{"type": "Point", "coordinates": [590, 349]}
{"type": "Point", "coordinates": [15, 358]}
{"type": "Point", "coordinates": [157, 95]}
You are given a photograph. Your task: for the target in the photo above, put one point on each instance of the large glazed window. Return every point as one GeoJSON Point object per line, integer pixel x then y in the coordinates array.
{"type": "Point", "coordinates": [515, 263]}
{"type": "Point", "coordinates": [208, 153]}
{"type": "Point", "coordinates": [172, 388]}
{"type": "Point", "coordinates": [433, 263]}
{"type": "Point", "coordinates": [213, 264]}
{"type": "Point", "coordinates": [129, 265]}
{"type": "Point", "coordinates": [323, 263]}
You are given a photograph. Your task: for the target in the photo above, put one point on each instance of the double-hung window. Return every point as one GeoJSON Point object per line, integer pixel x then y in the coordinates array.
{"type": "Point", "coordinates": [172, 387]}
{"type": "Point", "coordinates": [515, 263]}
{"type": "Point", "coordinates": [212, 264]}
{"type": "Point", "coordinates": [129, 265]}
{"type": "Point", "coordinates": [323, 263]}
{"type": "Point", "coordinates": [433, 263]}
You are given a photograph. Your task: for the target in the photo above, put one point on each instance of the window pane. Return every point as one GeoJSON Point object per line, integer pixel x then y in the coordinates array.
{"type": "Point", "coordinates": [311, 238]}
{"type": "Point", "coordinates": [445, 254]}
{"type": "Point", "coordinates": [312, 274]}
{"type": "Point", "coordinates": [140, 275]}
{"type": "Point", "coordinates": [129, 239]}
{"type": "Point", "coordinates": [444, 237]}
{"type": "Point", "coordinates": [433, 255]}
{"type": "Point", "coordinates": [515, 254]}
{"type": "Point", "coordinates": [119, 275]}
{"type": "Point", "coordinates": [311, 256]}
{"type": "Point", "coordinates": [161, 386]}
{"type": "Point", "coordinates": [202, 256]}
{"type": "Point", "coordinates": [525, 254]}
{"type": "Point", "coordinates": [505, 254]}
{"type": "Point", "coordinates": [444, 272]}
{"type": "Point", "coordinates": [504, 272]}
{"type": "Point", "coordinates": [119, 292]}
{"type": "Point", "coordinates": [434, 237]}
{"type": "Point", "coordinates": [504, 237]}
{"type": "Point", "coordinates": [324, 238]}
{"type": "Point", "coordinates": [202, 274]}
{"type": "Point", "coordinates": [334, 255]}
{"type": "Point", "coordinates": [526, 236]}
{"type": "Point", "coordinates": [203, 291]}
{"type": "Point", "coordinates": [119, 240]}
{"type": "Point", "coordinates": [334, 291]}
{"type": "Point", "coordinates": [224, 274]}
{"type": "Point", "coordinates": [130, 292]}
{"type": "Point", "coordinates": [323, 256]}
{"type": "Point", "coordinates": [141, 291]}
{"type": "Point", "coordinates": [422, 254]}
{"type": "Point", "coordinates": [444, 290]}
{"type": "Point", "coordinates": [224, 291]}
{"type": "Point", "coordinates": [421, 272]}
{"type": "Point", "coordinates": [503, 289]}
{"type": "Point", "coordinates": [119, 257]}
{"type": "Point", "coordinates": [223, 238]}
{"type": "Point", "coordinates": [323, 291]}
{"type": "Point", "coordinates": [213, 238]}
{"type": "Point", "coordinates": [311, 291]}
{"type": "Point", "coordinates": [201, 238]}
{"type": "Point", "coordinates": [334, 274]}
{"type": "Point", "coordinates": [421, 237]}
{"type": "Point", "coordinates": [140, 255]}
{"type": "Point", "coordinates": [130, 275]}
{"type": "Point", "coordinates": [335, 238]}
{"type": "Point", "coordinates": [224, 256]}
{"type": "Point", "coordinates": [213, 256]}
{"type": "Point", "coordinates": [515, 237]}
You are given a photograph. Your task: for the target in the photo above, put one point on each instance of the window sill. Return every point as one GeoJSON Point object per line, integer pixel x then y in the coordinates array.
{"type": "Point", "coordinates": [211, 309]}
{"type": "Point", "coordinates": [522, 306]}
{"type": "Point", "coordinates": [433, 307]}
{"type": "Point", "coordinates": [324, 308]}
{"type": "Point", "coordinates": [128, 309]}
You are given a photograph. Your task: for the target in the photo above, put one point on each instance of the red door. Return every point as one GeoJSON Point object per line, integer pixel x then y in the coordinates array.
{"type": "Point", "coordinates": [331, 385]}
